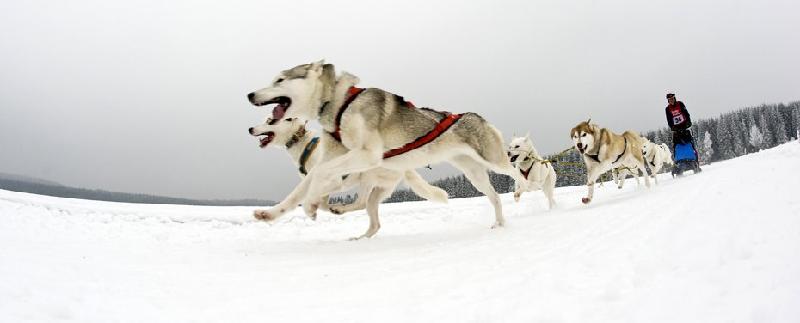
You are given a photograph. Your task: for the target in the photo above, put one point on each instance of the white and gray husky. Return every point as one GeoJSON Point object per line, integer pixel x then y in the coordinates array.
{"type": "Point", "coordinates": [376, 128]}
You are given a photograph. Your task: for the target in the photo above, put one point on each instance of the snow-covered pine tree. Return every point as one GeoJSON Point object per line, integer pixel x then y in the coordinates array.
{"type": "Point", "coordinates": [779, 125]}
{"type": "Point", "coordinates": [724, 141]}
{"type": "Point", "coordinates": [706, 148]}
{"type": "Point", "coordinates": [766, 130]}
{"type": "Point", "coordinates": [756, 139]}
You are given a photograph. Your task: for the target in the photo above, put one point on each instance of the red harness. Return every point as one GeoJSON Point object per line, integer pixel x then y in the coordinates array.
{"type": "Point", "coordinates": [526, 172]}
{"type": "Point", "coordinates": [437, 131]}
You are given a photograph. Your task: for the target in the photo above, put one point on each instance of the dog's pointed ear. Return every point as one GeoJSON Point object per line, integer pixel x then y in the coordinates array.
{"type": "Point", "coordinates": [317, 66]}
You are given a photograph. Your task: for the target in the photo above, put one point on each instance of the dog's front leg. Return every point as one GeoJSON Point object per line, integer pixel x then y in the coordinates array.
{"type": "Point", "coordinates": [517, 192]}
{"type": "Point", "coordinates": [354, 161]}
{"type": "Point", "coordinates": [591, 177]}
{"type": "Point", "coordinates": [288, 204]}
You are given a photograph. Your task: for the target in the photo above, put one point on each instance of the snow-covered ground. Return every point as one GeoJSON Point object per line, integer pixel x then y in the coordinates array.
{"type": "Point", "coordinates": [721, 246]}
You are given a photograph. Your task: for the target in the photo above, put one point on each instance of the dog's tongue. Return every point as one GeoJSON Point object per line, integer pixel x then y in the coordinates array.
{"type": "Point", "coordinates": [263, 142]}
{"type": "Point", "coordinates": [278, 112]}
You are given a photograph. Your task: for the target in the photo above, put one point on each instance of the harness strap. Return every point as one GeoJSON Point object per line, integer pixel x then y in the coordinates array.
{"type": "Point", "coordinates": [526, 172]}
{"type": "Point", "coordinates": [625, 148]}
{"type": "Point", "coordinates": [441, 127]}
{"type": "Point", "coordinates": [352, 93]}
{"type": "Point", "coordinates": [597, 159]}
{"type": "Point", "coordinates": [307, 151]}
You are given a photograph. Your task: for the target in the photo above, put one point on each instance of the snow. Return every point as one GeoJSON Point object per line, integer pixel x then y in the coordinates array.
{"type": "Point", "coordinates": [720, 246]}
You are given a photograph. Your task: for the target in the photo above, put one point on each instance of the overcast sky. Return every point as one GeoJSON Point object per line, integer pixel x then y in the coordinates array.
{"type": "Point", "coordinates": [149, 96]}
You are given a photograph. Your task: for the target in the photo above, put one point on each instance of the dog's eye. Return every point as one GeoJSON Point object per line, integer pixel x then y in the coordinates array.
{"type": "Point", "coordinates": [289, 119]}
{"type": "Point", "coordinates": [517, 146]}
{"type": "Point", "coordinates": [583, 135]}
{"type": "Point", "coordinates": [279, 80]}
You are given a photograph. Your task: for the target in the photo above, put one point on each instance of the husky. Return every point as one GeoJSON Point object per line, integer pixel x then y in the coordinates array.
{"type": "Point", "coordinates": [603, 150]}
{"type": "Point", "coordinates": [656, 156]}
{"type": "Point", "coordinates": [374, 185]}
{"type": "Point", "coordinates": [378, 129]}
{"type": "Point", "coordinates": [538, 172]}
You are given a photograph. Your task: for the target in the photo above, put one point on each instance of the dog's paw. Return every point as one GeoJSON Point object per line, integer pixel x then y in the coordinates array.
{"type": "Point", "coordinates": [517, 196]}
{"type": "Point", "coordinates": [439, 195]}
{"type": "Point", "coordinates": [336, 210]}
{"type": "Point", "coordinates": [311, 210]}
{"type": "Point", "coordinates": [263, 215]}
{"type": "Point", "coordinates": [498, 224]}
{"type": "Point", "coordinates": [586, 200]}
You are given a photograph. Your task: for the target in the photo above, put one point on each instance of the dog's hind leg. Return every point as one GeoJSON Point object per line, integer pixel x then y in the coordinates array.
{"type": "Point", "coordinates": [549, 188]}
{"type": "Point", "coordinates": [477, 175]}
{"type": "Point", "coordinates": [376, 196]}
{"type": "Point", "coordinates": [359, 204]}
{"type": "Point", "coordinates": [423, 188]}
{"type": "Point", "coordinates": [643, 169]}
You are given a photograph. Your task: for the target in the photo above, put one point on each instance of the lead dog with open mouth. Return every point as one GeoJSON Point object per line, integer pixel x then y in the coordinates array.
{"type": "Point", "coordinates": [379, 129]}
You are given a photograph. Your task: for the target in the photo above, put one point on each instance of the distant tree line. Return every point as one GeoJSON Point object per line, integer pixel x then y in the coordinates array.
{"type": "Point", "coordinates": [101, 195]}
{"type": "Point", "coordinates": [729, 135]}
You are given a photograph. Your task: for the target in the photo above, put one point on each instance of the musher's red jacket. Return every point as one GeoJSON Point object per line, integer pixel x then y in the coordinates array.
{"type": "Point", "coordinates": [678, 117]}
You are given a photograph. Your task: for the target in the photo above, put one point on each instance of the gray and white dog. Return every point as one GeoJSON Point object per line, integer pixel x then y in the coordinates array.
{"type": "Point", "coordinates": [374, 185]}
{"type": "Point", "coordinates": [370, 125]}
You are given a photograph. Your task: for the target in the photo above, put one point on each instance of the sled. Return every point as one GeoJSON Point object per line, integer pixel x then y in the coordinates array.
{"type": "Point", "coordinates": [684, 153]}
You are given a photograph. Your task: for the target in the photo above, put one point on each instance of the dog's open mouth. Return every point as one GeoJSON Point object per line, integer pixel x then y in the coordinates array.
{"type": "Point", "coordinates": [283, 104]}
{"type": "Point", "coordinates": [265, 139]}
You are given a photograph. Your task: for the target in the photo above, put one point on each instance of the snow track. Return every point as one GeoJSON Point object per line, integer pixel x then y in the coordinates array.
{"type": "Point", "coordinates": [722, 246]}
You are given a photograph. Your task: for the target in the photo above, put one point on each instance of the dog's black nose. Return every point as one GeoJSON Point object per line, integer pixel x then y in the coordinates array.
{"type": "Point", "coordinates": [250, 130]}
{"type": "Point", "coordinates": [251, 96]}
{"type": "Point", "coordinates": [579, 145]}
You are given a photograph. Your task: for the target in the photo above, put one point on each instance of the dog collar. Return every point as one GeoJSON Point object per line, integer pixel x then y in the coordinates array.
{"type": "Point", "coordinates": [296, 137]}
{"type": "Point", "coordinates": [307, 151]}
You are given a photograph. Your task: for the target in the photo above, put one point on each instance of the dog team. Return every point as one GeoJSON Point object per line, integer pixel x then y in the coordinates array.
{"type": "Point", "coordinates": [373, 139]}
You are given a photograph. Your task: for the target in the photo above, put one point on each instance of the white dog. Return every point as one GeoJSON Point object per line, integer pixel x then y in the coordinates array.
{"type": "Point", "coordinates": [378, 129]}
{"type": "Point", "coordinates": [656, 156]}
{"type": "Point", "coordinates": [538, 172]}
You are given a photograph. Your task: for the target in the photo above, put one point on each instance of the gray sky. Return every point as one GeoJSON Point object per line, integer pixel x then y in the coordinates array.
{"type": "Point", "coordinates": [149, 96]}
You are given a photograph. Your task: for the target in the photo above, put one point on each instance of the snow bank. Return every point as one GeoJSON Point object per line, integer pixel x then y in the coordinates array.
{"type": "Point", "coordinates": [721, 246]}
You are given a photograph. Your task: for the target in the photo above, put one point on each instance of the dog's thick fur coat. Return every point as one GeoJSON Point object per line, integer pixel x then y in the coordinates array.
{"type": "Point", "coordinates": [540, 173]}
{"type": "Point", "coordinates": [603, 150]}
{"type": "Point", "coordinates": [655, 156]}
{"type": "Point", "coordinates": [375, 122]}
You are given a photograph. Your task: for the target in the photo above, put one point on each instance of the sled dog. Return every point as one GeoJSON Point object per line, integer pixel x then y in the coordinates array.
{"type": "Point", "coordinates": [303, 148]}
{"type": "Point", "coordinates": [655, 156]}
{"type": "Point", "coordinates": [378, 129]}
{"type": "Point", "coordinates": [538, 172]}
{"type": "Point", "coordinates": [603, 150]}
